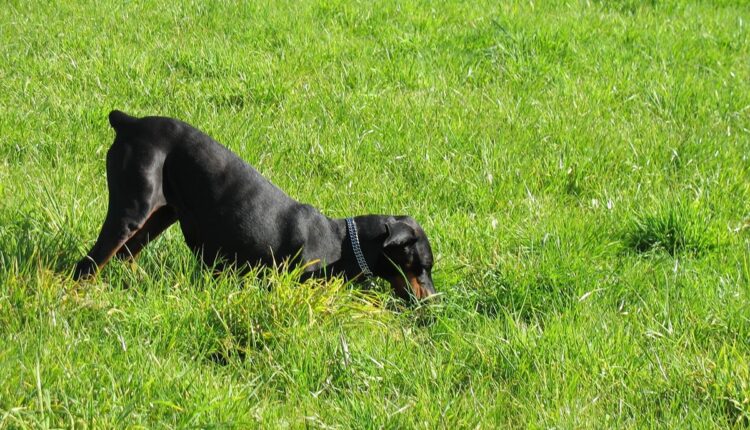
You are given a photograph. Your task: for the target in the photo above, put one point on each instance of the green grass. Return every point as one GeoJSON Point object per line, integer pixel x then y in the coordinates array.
{"type": "Point", "coordinates": [580, 167]}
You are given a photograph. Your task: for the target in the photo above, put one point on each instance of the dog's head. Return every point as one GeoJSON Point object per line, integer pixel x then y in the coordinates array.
{"type": "Point", "coordinates": [406, 258]}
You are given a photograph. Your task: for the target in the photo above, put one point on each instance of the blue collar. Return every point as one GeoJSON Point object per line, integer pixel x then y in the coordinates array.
{"type": "Point", "coordinates": [351, 228]}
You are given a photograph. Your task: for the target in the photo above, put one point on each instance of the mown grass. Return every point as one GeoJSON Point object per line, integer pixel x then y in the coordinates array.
{"type": "Point", "coordinates": [580, 167]}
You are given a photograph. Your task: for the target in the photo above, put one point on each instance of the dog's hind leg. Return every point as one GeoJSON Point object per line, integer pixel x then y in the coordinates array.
{"type": "Point", "coordinates": [159, 221]}
{"type": "Point", "coordinates": [134, 180]}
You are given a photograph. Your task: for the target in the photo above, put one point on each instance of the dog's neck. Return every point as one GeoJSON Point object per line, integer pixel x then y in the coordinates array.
{"type": "Point", "coordinates": [341, 260]}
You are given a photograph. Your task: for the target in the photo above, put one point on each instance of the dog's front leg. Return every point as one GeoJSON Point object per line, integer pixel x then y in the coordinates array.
{"type": "Point", "coordinates": [159, 221]}
{"type": "Point", "coordinates": [118, 228]}
{"type": "Point", "coordinates": [135, 194]}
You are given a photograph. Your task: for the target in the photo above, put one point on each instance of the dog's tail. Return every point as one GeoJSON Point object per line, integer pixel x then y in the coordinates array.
{"type": "Point", "coordinates": [119, 119]}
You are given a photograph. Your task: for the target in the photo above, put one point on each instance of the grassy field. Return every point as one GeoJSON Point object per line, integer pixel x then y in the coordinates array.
{"type": "Point", "coordinates": [580, 167]}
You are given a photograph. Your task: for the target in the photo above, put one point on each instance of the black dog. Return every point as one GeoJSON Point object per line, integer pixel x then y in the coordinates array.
{"type": "Point", "coordinates": [161, 170]}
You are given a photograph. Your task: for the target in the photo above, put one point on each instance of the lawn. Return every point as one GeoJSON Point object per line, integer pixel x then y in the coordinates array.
{"type": "Point", "coordinates": [581, 169]}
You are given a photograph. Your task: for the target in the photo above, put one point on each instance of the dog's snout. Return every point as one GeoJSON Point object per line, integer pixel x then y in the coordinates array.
{"type": "Point", "coordinates": [428, 289]}
{"type": "Point", "coordinates": [421, 286]}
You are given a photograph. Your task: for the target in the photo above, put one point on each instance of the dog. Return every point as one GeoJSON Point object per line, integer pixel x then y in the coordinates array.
{"type": "Point", "coordinates": [161, 170]}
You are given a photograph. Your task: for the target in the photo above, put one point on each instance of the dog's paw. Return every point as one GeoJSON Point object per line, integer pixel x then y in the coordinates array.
{"type": "Point", "coordinates": [85, 269]}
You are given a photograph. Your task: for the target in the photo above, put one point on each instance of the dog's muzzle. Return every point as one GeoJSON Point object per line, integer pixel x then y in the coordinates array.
{"type": "Point", "coordinates": [411, 285]}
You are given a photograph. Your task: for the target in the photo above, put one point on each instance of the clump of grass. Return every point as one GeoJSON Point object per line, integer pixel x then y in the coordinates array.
{"type": "Point", "coordinates": [671, 227]}
{"type": "Point", "coordinates": [274, 305]}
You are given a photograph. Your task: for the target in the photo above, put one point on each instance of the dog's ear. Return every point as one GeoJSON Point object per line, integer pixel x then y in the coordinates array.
{"type": "Point", "coordinates": [399, 234]}
{"type": "Point", "coordinates": [118, 119]}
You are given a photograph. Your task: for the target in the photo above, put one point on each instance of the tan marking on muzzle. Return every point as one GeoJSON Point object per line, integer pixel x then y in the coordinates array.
{"type": "Point", "coordinates": [416, 287]}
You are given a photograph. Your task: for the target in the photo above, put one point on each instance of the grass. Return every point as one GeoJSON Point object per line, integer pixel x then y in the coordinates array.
{"type": "Point", "coordinates": [580, 167]}
{"type": "Point", "coordinates": [671, 228]}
